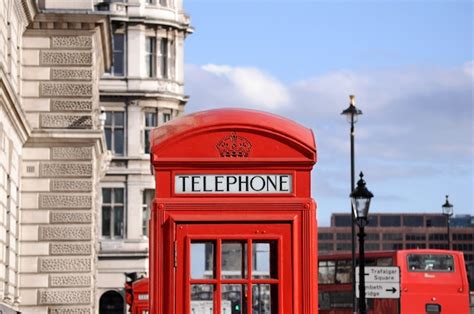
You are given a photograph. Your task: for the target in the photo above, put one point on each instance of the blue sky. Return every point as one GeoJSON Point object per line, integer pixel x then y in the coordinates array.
{"type": "Point", "coordinates": [409, 63]}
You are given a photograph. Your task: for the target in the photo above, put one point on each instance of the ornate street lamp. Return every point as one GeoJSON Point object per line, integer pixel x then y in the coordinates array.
{"type": "Point", "coordinates": [361, 198]}
{"type": "Point", "coordinates": [352, 114]}
{"type": "Point", "coordinates": [448, 212]}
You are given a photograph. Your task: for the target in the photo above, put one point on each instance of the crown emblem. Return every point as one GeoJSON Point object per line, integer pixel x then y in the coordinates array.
{"type": "Point", "coordinates": [234, 146]}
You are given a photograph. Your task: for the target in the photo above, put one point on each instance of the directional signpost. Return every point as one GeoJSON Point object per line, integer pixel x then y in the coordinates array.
{"type": "Point", "coordinates": [380, 282]}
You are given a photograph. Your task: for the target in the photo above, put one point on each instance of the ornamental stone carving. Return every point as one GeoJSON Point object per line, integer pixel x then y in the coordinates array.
{"type": "Point", "coordinates": [71, 105]}
{"type": "Point", "coordinates": [69, 74]}
{"type": "Point", "coordinates": [70, 217]}
{"type": "Point", "coordinates": [63, 121]}
{"type": "Point", "coordinates": [61, 233]}
{"type": "Point", "coordinates": [72, 153]}
{"type": "Point", "coordinates": [66, 169]}
{"type": "Point", "coordinates": [70, 280]}
{"type": "Point", "coordinates": [64, 265]}
{"type": "Point", "coordinates": [70, 248]}
{"type": "Point", "coordinates": [65, 58]}
{"type": "Point", "coordinates": [48, 89]}
{"type": "Point", "coordinates": [78, 42]}
{"type": "Point", "coordinates": [61, 296]}
{"type": "Point", "coordinates": [65, 201]}
{"type": "Point", "coordinates": [70, 310]}
{"type": "Point", "coordinates": [71, 185]}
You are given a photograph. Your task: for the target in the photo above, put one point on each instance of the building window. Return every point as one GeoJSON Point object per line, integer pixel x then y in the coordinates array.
{"type": "Point", "coordinates": [148, 196]}
{"type": "Point", "coordinates": [114, 129]}
{"type": "Point", "coordinates": [411, 246]}
{"type": "Point", "coordinates": [343, 246]}
{"type": "Point", "coordinates": [113, 223]}
{"type": "Point", "coordinates": [150, 55]}
{"type": "Point", "coordinates": [392, 236]}
{"type": "Point", "coordinates": [149, 1]}
{"type": "Point", "coordinates": [392, 246]}
{"type": "Point", "coordinates": [413, 221]}
{"type": "Point", "coordinates": [164, 58]}
{"type": "Point", "coordinates": [325, 247]}
{"type": "Point", "coordinates": [463, 237]}
{"type": "Point", "coordinates": [343, 236]}
{"type": "Point", "coordinates": [390, 221]}
{"type": "Point", "coordinates": [150, 123]}
{"type": "Point", "coordinates": [325, 236]}
{"type": "Point", "coordinates": [438, 246]}
{"type": "Point", "coordinates": [166, 117]}
{"type": "Point", "coordinates": [342, 220]}
{"type": "Point", "coordinates": [415, 237]}
{"type": "Point", "coordinates": [438, 237]}
{"type": "Point", "coordinates": [436, 221]}
{"type": "Point", "coordinates": [118, 67]}
{"type": "Point", "coordinates": [372, 237]}
{"type": "Point", "coordinates": [372, 246]}
{"type": "Point", "coordinates": [164, 3]}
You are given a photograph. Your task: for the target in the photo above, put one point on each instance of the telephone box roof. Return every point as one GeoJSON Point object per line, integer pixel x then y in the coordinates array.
{"type": "Point", "coordinates": [240, 118]}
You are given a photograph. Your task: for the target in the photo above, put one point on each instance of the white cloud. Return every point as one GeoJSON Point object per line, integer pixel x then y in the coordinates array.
{"type": "Point", "coordinates": [236, 86]}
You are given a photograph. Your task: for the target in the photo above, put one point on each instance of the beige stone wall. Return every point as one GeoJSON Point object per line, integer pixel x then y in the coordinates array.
{"type": "Point", "coordinates": [62, 163]}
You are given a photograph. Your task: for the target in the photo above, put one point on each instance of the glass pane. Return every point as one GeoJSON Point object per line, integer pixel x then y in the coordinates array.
{"type": "Point", "coordinates": [118, 142]}
{"type": "Point", "coordinates": [150, 119]}
{"type": "Point", "coordinates": [118, 221]}
{"type": "Point", "coordinates": [233, 299]}
{"type": "Point", "coordinates": [106, 210]}
{"type": "Point", "coordinates": [326, 272]}
{"type": "Point", "coordinates": [106, 196]}
{"type": "Point", "coordinates": [118, 196]}
{"type": "Point", "coordinates": [234, 260]}
{"type": "Point", "coordinates": [147, 141]}
{"type": "Point", "coordinates": [431, 262]}
{"type": "Point", "coordinates": [265, 260]}
{"type": "Point", "coordinates": [202, 260]}
{"type": "Point", "coordinates": [118, 42]}
{"type": "Point", "coordinates": [108, 118]}
{"type": "Point", "coordinates": [119, 118]}
{"type": "Point", "coordinates": [108, 138]}
{"type": "Point", "coordinates": [118, 63]}
{"type": "Point", "coordinates": [202, 299]}
{"type": "Point", "coordinates": [344, 271]}
{"type": "Point", "coordinates": [264, 299]}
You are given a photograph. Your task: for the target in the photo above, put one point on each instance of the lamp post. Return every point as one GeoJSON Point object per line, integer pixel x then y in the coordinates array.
{"type": "Point", "coordinates": [361, 198]}
{"type": "Point", "coordinates": [352, 114]}
{"type": "Point", "coordinates": [448, 212]}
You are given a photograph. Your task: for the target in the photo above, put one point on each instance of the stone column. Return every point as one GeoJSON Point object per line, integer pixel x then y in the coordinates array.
{"type": "Point", "coordinates": [62, 162]}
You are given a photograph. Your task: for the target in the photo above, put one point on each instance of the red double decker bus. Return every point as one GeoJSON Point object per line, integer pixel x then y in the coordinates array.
{"type": "Point", "coordinates": [431, 281]}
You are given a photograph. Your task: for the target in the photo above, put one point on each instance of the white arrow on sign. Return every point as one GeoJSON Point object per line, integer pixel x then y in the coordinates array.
{"type": "Point", "coordinates": [380, 274]}
{"type": "Point", "coordinates": [381, 290]}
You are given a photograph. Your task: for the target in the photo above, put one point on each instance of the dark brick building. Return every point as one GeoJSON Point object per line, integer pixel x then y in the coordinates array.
{"type": "Point", "coordinates": [401, 231]}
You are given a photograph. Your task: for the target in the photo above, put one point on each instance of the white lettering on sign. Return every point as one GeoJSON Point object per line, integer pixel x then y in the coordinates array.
{"type": "Point", "coordinates": [233, 183]}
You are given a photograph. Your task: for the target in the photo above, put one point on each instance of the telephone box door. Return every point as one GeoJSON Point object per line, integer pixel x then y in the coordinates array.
{"type": "Point", "coordinates": [234, 269]}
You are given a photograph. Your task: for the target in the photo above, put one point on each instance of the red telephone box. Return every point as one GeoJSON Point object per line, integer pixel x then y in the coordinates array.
{"type": "Point", "coordinates": [233, 226]}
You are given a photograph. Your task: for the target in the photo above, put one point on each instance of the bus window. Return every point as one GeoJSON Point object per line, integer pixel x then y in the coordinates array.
{"type": "Point", "coordinates": [386, 261]}
{"type": "Point", "coordinates": [344, 271]}
{"type": "Point", "coordinates": [327, 272]}
{"type": "Point", "coordinates": [430, 262]}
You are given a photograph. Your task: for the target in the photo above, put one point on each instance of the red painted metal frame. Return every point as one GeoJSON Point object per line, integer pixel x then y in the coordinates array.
{"type": "Point", "coordinates": [188, 145]}
{"type": "Point", "coordinates": [242, 232]}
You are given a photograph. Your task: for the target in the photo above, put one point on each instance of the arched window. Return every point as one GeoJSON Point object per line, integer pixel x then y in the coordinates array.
{"type": "Point", "coordinates": [111, 302]}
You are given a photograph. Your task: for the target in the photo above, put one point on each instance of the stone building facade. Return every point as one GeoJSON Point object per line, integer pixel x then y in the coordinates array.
{"type": "Point", "coordinates": [142, 90]}
{"type": "Point", "coordinates": [75, 182]}
{"type": "Point", "coordinates": [52, 155]}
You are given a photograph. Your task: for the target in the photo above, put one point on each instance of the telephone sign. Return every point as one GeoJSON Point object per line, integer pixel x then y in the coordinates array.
{"type": "Point", "coordinates": [233, 183]}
